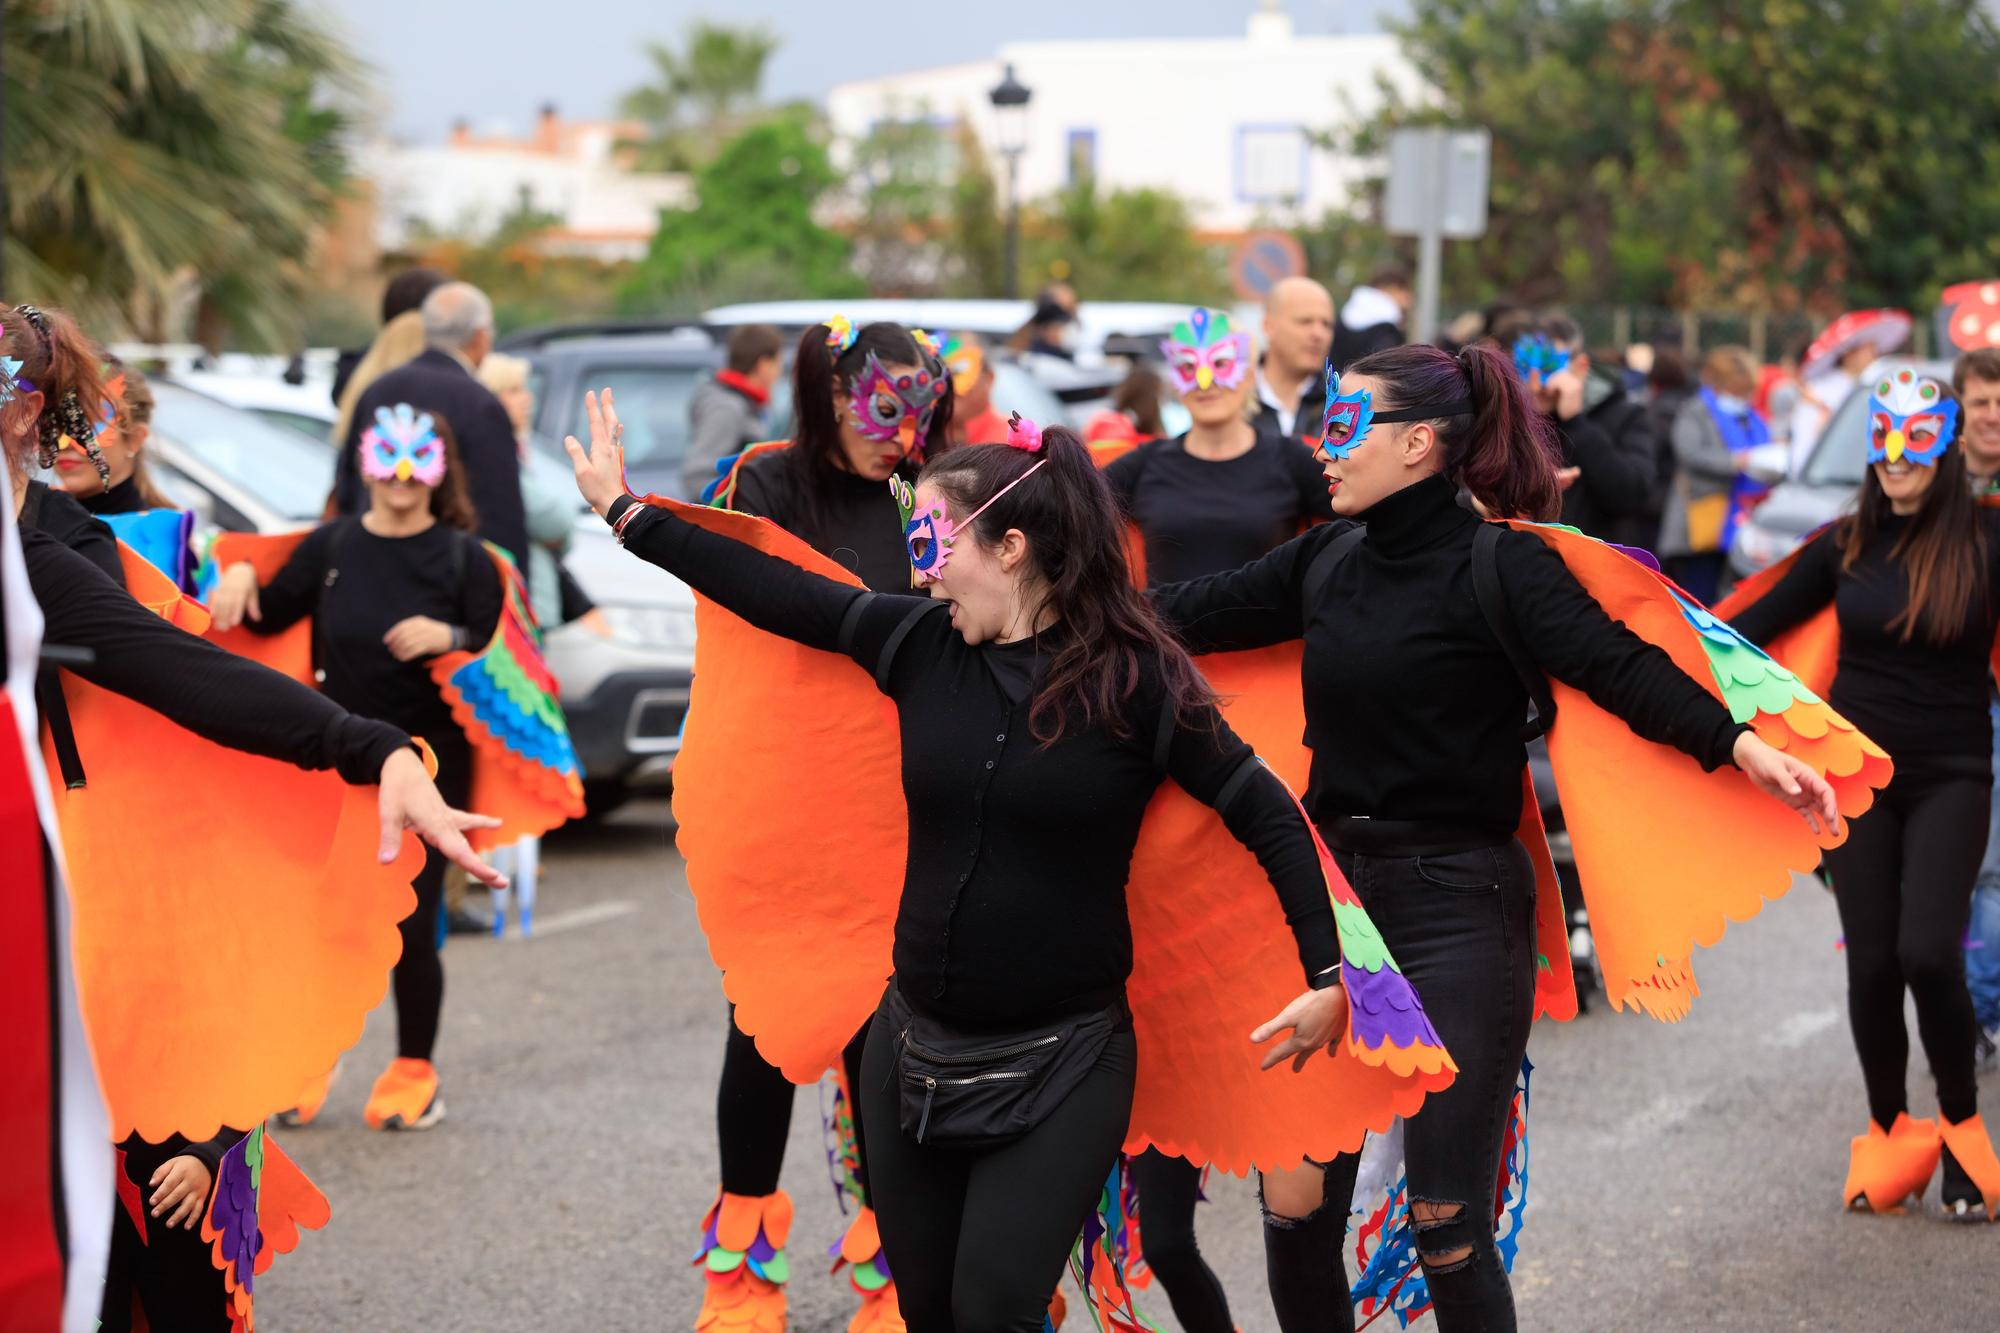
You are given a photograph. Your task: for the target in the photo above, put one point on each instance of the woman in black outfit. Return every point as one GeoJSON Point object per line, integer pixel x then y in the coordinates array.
{"type": "Point", "coordinates": [870, 404]}
{"type": "Point", "coordinates": [1211, 499]}
{"type": "Point", "coordinates": [387, 591]}
{"type": "Point", "coordinates": [1911, 576]}
{"type": "Point", "coordinates": [1040, 705]}
{"type": "Point", "coordinates": [1413, 716]}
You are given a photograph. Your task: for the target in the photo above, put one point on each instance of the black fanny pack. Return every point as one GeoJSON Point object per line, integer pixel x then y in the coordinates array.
{"type": "Point", "coordinates": [975, 1090]}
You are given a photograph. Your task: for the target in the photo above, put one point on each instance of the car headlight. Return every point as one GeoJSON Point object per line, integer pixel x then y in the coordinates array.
{"type": "Point", "coordinates": [646, 626]}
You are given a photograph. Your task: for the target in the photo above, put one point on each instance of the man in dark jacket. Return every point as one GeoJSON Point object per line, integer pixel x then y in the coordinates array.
{"type": "Point", "coordinates": [1373, 317]}
{"type": "Point", "coordinates": [458, 331]}
{"type": "Point", "coordinates": [1291, 375]}
{"type": "Point", "coordinates": [727, 412]}
{"type": "Point", "coordinates": [406, 291]}
{"type": "Point", "coordinates": [1608, 463]}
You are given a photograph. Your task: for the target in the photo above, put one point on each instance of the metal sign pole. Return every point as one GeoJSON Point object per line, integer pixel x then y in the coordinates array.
{"type": "Point", "coordinates": [1430, 244]}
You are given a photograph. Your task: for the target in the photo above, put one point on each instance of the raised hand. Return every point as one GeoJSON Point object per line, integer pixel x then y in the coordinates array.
{"type": "Point", "coordinates": [600, 471]}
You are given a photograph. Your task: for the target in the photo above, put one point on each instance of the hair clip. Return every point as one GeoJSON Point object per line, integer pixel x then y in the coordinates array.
{"type": "Point", "coordinates": [1023, 434]}
{"type": "Point", "coordinates": [927, 344]}
{"type": "Point", "coordinates": [840, 334]}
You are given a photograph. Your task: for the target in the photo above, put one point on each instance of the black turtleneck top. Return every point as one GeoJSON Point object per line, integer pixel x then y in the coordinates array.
{"type": "Point", "coordinates": [1413, 711]}
{"type": "Point", "coordinates": [1925, 703]}
{"type": "Point", "coordinates": [1013, 903]}
{"type": "Point", "coordinates": [849, 518]}
{"type": "Point", "coordinates": [122, 498]}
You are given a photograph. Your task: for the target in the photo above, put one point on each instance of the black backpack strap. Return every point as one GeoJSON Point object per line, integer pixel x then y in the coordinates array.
{"type": "Point", "coordinates": [851, 622]}
{"type": "Point", "coordinates": [895, 641]}
{"type": "Point", "coordinates": [1492, 597]}
{"type": "Point", "coordinates": [1322, 567]}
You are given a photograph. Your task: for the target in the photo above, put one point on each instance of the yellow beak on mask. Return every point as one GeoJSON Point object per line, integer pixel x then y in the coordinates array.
{"type": "Point", "coordinates": [405, 469]}
{"type": "Point", "coordinates": [1893, 445]}
{"type": "Point", "coordinates": [1204, 377]}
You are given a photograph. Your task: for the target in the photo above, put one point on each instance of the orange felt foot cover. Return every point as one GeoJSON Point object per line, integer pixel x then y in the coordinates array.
{"type": "Point", "coordinates": [739, 1299]}
{"type": "Point", "coordinates": [1058, 1309]}
{"type": "Point", "coordinates": [1884, 1169]}
{"type": "Point", "coordinates": [860, 1251]}
{"type": "Point", "coordinates": [311, 1099]}
{"type": "Point", "coordinates": [1974, 1150]}
{"type": "Point", "coordinates": [403, 1091]}
{"type": "Point", "coordinates": [743, 1253]}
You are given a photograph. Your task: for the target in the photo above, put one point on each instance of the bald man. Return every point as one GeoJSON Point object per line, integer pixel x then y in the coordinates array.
{"type": "Point", "coordinates": [1291, 385]}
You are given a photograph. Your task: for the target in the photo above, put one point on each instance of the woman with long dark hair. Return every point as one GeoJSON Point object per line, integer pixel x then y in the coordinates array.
{"type": "Point", "coordinates": [1040, 703]}
{"type": "Point", "coordinates": [868, 404]}
{"type": "Point", "coordinates": [1413, 716]}
{"type": "Point", "coordinates": [387, 591]}
{"type": "Point", "coordinates": [1910, 577]}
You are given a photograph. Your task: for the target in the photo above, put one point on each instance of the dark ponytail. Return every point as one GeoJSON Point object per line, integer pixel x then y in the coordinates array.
{"type": "Point", "coordinates": [1503, 452]}
{"type": "Point", "coordinates": [817, 375]}
{"type": "Point", "coordinates": [57, 359]}
{"type": "Point", "coordinates": [1076, 541]}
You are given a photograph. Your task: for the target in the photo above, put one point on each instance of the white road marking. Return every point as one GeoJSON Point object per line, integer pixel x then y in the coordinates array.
{"type": "Point", "coordinates": [1801, 1028]}
{"type": "Point", "coordinates": [577, 918]}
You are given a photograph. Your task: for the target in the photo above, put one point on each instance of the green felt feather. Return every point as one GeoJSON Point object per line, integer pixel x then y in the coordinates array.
{"type": "Point", "coordinates": [1361, 945]}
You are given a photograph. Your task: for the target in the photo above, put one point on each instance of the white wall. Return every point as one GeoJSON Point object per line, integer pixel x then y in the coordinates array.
{"type": "Point", "coordinates": [1219, 121]}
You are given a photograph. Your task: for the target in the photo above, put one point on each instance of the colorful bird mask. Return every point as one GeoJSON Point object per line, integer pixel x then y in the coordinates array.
{"type": "Point", "coordinates": [1203, 351]}
{"type": "Point", "coordinates": [402, 445]}
{"type": "Point", "coordinates": [1910, 418]}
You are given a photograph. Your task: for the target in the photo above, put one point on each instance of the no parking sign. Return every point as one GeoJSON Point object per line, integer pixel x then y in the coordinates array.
{"type": "Point", "coordinates": [1261, 260]}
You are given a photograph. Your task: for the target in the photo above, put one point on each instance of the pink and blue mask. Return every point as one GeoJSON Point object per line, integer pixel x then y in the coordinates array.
{"type": "Point", "coordinates": [402, 445]}
{"type": "Point", "coordinates": [1910, 419]}
{"type": "Point", "coordinates": [897, 409]}
{"type": "Point", "coordinates": [929, 534]}
{"type": "Point", "coordinates": [1204, 352]}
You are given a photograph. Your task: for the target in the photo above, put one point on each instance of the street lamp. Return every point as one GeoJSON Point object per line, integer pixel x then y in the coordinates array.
{"type": "Point", "coordinates": [1010, 132]}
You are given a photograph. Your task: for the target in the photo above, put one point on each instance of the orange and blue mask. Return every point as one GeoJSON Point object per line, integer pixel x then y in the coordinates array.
{"type": "Point", "coordinates": [1910, 419]}
{"type": "Point", "coordinates": [1203, 351]}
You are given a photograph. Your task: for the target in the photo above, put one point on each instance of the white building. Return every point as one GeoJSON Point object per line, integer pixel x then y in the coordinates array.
{"type": "Point", "coordinates": [573, 170]}
{"type": "Point", "coordinates": [1226, 122]}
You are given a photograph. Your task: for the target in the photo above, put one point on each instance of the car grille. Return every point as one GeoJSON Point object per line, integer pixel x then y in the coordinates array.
{"type": "Point", "coordinates": [654, 724]}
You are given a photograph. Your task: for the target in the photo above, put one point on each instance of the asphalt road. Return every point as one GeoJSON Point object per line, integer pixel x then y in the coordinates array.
{"type": "Point", "coordinates": [1681, 1177]}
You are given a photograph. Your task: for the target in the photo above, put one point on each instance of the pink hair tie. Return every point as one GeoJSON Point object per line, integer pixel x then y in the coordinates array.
{"type": "Point", "coordinates": [1024, 434]}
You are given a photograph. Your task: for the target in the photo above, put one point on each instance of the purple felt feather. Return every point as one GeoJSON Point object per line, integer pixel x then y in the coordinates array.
{"type": "Point", "coordinates": [1383, 1007]}
{"type": "Point", "coordinates": [234, 1214]}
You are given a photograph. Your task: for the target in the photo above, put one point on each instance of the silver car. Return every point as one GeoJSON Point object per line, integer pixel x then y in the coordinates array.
{"type": "Point", "coordinates": [624, 670]}
{"type": "Point", "coordinates": [1818, 491]}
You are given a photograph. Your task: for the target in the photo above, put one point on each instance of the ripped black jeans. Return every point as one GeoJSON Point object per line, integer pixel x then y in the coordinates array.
{"type": "Point", "coordinates": [1462, 928]}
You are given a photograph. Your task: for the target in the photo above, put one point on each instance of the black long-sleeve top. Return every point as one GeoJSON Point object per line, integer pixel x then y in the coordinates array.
{"type": "Point", "coordinates": [1923, 703]}
{"type": "Point", "coordinates": [1413, 711]}
{"type": "Point", "coordinates": [59, 514]}
{"type": "Point", "coordinates": [1013, 904]}
{"type": "Point", "coordinates": [851, 519]}
{"type": "Point", "coordinates": [1200, 515]}
{"type": "Point", "coordinates": [356, 586]}
{"type": "Point", "coordinates": [212, 692]}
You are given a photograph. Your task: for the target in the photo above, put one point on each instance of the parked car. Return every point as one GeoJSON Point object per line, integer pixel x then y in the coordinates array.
{"type": "Point", "coordinates": [303, 407]}
{"type": "Point", "coordinates": [624, 670]}
{"type": "Point", "coordinates": [1817, 492]}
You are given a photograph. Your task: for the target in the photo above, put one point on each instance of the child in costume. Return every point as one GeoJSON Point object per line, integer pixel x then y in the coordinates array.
{"type": "Point", "coordinates": [140, 693]}
{"type": "Point", "coordinates": [871, 403]}
{"type": "Point", "coordinates": [388, 591]}
{"type": "Point", "coordinates": [1895, 604]}
{"type": "Point", "coordinates": [1413, 705]}
{"type": "Point", "coordinates": [1038, 707]}
{"type": "Point", "coordinates": [1215, 497]}
{"type": "Point", "coordinates": [160, 1261]}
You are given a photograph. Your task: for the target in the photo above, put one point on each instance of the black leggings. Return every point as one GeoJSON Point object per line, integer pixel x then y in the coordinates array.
{"type": "Point", "coordinates": [753, 1114]}
{"type": "Point", "coordinates": [1169, 1188]}
{"type": "Point", "coordinates": [419, 976]}
{"type": "Point", "coordinates": [1462, 927]}
{"type": "Point", "coordinates": [1904, 881]}
{"type": "Point", "coordinates": [977, 1240]}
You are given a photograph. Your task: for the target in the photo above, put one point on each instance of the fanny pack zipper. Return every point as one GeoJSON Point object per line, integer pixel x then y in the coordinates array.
{"type": "Point", "coordinates": [1001, 1053]}
{"type": "Point", "coordinates": [931, 1084]}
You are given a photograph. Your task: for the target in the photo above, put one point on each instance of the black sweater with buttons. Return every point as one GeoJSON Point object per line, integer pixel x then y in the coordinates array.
{"type": "Point", "coordinates": [1413, 711]}
{"type": "Point", "coordinates": [1013, 903]}
{"type": "Point", "coordinates": [1923, 702]}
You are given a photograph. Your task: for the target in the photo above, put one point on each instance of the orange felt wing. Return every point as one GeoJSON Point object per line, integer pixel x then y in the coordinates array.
{"type": "Point", "coordinates": [1213, 959]}
{"type": "Point", "coordinates": [1811, 650]}
{"type": "Point", "coordinates": [1667, 854]}
{"type": "Point", "coordinates": [796, 885]}
{"type": "Point", "coordinates": [1555, 982]}
{"type": "Point", "coordinates": [224, 904]}
{"type": "Point", "coordinates": [287, 1202]}
{"type": "Point", "coordinates": [289, 652]}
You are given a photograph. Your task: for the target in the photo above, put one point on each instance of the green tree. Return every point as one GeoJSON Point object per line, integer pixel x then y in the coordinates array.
{"type": "Point", "coordinates": [977, 237]}
{"type": "Point", "coordinates": [1124, 245]}
{"type": "Point", "coordinates": [162, 153]}
{"type": "Point", "coordinates": [752, 233]}
{"type": "Point", "coordinates": [701, 95]}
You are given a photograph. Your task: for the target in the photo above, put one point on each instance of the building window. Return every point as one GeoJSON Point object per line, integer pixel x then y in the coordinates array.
{"type": "Point", "coordinates": [1081, 154]}
{"type": "Point", "coordinates": [1271, 163]}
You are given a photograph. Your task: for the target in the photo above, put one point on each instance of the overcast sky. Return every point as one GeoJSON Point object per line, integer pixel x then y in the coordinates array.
{"type": "Point", "coordinates": [493, 64]}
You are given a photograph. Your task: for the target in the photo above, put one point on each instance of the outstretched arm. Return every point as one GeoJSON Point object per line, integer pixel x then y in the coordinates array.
{"type": "Point", "coordinates": [1253, 607]}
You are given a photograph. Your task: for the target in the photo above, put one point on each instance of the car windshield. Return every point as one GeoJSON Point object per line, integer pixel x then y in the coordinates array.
{"type": "Point", "coordinates": [652, 406]}
{"type": "Point", "coordinates": [1014, 390]}
{"type": "Point", "coordinates": [286, 470]}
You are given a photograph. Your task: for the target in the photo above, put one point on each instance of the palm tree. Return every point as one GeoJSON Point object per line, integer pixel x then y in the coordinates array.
{"type": "Point", "coordinates": [159, 154]}
{"type": "Point", "coordinates": [702, 94]}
